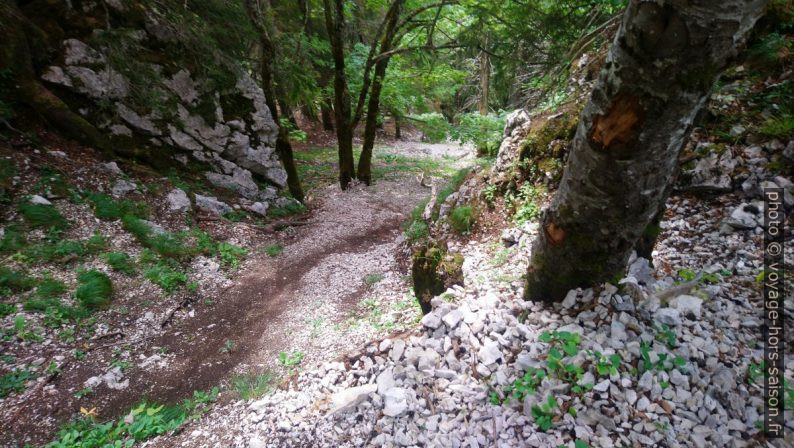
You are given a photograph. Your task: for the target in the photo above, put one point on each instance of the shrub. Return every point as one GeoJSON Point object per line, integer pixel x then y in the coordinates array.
{"type": "Point", "coordinates": [433, 125]}
{"type": "Point", "coordinates": [462, 218]}
{"type": "Point", "coordinates": [96, 243]}
{"type": "Point", "coordinates": [40, 215]}
{"type": "Point", "coordinates": [170, 245]}
{"type": "Point", "coordinates": [149, 420]}
{"type": "Point", "coordinates": [484, 131]}
{"type": "Point", "coordinates": [94, 289]}
{"type": "Point", "coordinates": [65, 250]}
{"type": "Point", "coordinates": [137, 227]}
{"type": "Point", "coordinates": [119, 261]}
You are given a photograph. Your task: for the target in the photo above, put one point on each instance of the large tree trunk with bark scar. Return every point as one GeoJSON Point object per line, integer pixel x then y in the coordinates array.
{"type": "Point", "coordinates": [657, 77]}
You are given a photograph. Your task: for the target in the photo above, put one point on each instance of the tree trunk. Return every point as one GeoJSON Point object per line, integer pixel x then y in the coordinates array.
{"type": "Point", "coordinates": [326, 111]}
{"type": "Point", "coordinates": [397, 131]}
{"type": "Point", "coordinates": [286, 110]}
{"type": "Point", "coordinates": [373, 107]}
{"type": "Point", "coordinates": [283, 146]}
{"type": "Point", "coordinates": [334, 22]}
{"type": "Point", "coordinates": [485, 80]}
{"type": "Point", "coordinates": [657, 76]}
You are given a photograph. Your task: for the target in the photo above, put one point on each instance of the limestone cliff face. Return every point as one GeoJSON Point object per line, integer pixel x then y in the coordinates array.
{"type": "Point", "coordinates": [125, 71]}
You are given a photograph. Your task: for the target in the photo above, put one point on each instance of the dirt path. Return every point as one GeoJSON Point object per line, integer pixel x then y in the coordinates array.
{"type": "Point", "coordinates": [304, 300]}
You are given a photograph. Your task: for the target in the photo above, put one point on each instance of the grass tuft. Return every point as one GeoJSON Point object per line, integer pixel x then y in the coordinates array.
{"type": "Point", "coordinates": [462, 219]}
{"type": "Point", "coordinates": [94, 290]}
{"type": "Point", "coordinates": [14, 281]}
{"type": "Point", "coordinates": [40, 215]}
{"type": "Point", "coordinates": [274, 250]}
{"type": "Point", "coordinates": [119, 261]}
{"type": "Point", "coordinates": [254, 386]}
{"type": "Point", "coordinates": [108, 209]}
{"type": "Point", "coordinates": [166, 275]}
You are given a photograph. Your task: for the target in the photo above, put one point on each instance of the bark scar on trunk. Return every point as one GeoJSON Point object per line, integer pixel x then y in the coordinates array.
{"type": "Point", "coordinates": [554, 233]}
{"type": "Point", "coordinates": [614, 130]}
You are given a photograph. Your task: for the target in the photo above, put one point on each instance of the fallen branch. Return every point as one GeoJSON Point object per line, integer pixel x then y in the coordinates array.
{"type": "Point", "coordinates": [185, 302]}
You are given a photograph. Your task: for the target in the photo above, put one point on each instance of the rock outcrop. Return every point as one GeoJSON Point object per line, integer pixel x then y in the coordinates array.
{"type": "Point", "coordinates": [133, 73]}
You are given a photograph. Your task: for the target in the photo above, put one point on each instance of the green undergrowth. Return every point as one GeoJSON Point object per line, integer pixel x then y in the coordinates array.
{"type": "Point", "coordinates": [94, 289]}
{"type": "Point", "coordinates": [450, 187]}
{"type": "Point", "coordinates": [292, 208]}
{"type": "Point", "coordinates": [462, 218]}
{"type": "Point", "coordinates": [273, 250]}
{"type": "Point", "coordinates": [42, 216]}
{"type": "Point", "coordinates": [14, 381]}
{"type": "Point", "coordinates": [525, 202]}
{"type": "Point", "coordinates": [563, 349]}
{"type": "Point", "coordinates": [415, 229]}
{"type": "Point", "coordinates": [167, 274]}
{"type": "Point", "coordinates": [252, 386]}
{"type": "Point", "coordinates": [143, 422]}
{"type": "Point", "coordinates": [108, 209]}
{"type": "Point", "coordinates": [120, 261]}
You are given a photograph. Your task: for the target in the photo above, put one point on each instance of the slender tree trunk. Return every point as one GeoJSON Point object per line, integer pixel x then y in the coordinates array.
{"type": "Point", "coordinates": [657, 76]}
{"type": "Point", "coordinates": [286, 110]}
{"type": "Point", "coordinates": [397, 131]}
{"type": "Point", "coordinates": [283, 146]}
{"type": "Point", "coordinates": [485, 82]}
{"type": "Point", "coordinates": [334, 22]}
{"type": "Point", "coordinates": [326, 111]}
{"type": "Point", "coordinates": [373, 107]}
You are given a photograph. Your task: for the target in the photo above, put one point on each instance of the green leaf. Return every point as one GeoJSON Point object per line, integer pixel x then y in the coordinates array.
{"type": "Point", "coordinates": [545, 337]}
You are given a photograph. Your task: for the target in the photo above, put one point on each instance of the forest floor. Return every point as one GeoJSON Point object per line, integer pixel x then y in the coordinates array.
{"type": "Point", "coordinates": [325, 282]}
